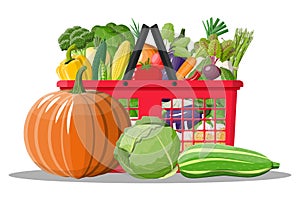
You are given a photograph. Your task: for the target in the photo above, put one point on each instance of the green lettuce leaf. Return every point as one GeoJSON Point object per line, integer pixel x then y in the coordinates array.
{"type": "Point", "coordinates": [167, 32]}
{"type": "Point", "coordinates": [201, 52]}
{"type": "Point", "coordinates": [227, 50]}
{"type": "Point", "coordinates": [226, 74]}
{"type": "Point", "coordinates": [182, 42]}
{"type": "Point", "coordinates": [181, 52]}
{"type": "Point", "coordinates": [214, 48]}
{"type": "Point", "coordinates": [204, 43]}
{"type": "Point", "coordinates": [213, 37]}
{"type": "Point", "coordinates": [201, 48]}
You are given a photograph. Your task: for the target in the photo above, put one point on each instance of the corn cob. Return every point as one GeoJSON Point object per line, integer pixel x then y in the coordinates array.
{"type": "Point", "coordinates": [120, 61]}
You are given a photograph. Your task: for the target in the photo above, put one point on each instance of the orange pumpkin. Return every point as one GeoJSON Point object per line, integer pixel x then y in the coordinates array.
{"type": "Point", "coordinates": [147, 52]}
{"type": "Point", "coordinates": [75, 133]}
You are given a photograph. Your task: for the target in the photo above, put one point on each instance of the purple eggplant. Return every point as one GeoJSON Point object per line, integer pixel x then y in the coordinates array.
{"type": "Point", "coordinates": [177, 114]}
{"type": "Point", "coordinates": [177, 62]}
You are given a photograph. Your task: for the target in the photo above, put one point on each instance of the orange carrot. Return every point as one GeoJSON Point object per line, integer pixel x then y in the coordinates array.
{"type": "Point", "coordinates": [185, 68]}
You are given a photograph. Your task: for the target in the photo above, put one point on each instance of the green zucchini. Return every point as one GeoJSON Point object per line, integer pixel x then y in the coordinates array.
{"type": "Point", "coordinates": [100, 56]}
{"type": "Point", "coordinates": [206, 160]}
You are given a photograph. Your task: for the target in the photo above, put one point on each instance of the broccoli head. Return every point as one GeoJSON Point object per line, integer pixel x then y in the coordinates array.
{"type": "Point", "coordinates": [75, 35]}
{"type": "Point", "coordinates": [79, 42]}
{"type": "Point", "coordinates": [84, 30]}
{"type": "Point", "coordinates": [64, 36]}
{"type": "Point", "coordinates": [64, 45]}
{"type": "Point", "coordinates": [70, 30]}
{"type": "Point", "coordinates": [88, 36]}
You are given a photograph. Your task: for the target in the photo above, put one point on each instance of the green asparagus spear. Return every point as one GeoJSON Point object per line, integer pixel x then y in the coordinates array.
{"type": "Point", "coordinates": [242, 40]}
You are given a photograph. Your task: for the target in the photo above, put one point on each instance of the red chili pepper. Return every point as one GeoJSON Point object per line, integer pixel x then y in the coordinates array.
{"type": "Point", "coordinates": [195, 76]}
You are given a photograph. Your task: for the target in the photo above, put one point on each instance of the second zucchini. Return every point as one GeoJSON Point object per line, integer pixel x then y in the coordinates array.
{"type": "Point", "coordinates": [206, 160]}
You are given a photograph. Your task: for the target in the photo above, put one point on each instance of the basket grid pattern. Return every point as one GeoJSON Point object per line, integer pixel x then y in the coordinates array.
{"type": "Point", "coordinates": [196, 121]}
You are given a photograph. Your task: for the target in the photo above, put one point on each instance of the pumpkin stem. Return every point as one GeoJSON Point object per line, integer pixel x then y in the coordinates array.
{"type": "Point", "coordinates": [78, 86]}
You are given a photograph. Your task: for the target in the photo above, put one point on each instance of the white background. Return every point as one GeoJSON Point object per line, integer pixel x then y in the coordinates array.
{"type": "Point", "coordinates": [267, 110]}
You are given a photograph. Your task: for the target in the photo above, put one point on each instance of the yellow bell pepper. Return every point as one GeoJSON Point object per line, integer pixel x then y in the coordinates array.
{"type": "Point", "coordinates": [68, 68]}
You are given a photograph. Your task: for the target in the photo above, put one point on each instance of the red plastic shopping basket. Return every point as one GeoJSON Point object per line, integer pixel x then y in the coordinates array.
{"type": "Point", "coordinates": [199, 111]}
{"type": "Point", "coordinates": [212, 105]}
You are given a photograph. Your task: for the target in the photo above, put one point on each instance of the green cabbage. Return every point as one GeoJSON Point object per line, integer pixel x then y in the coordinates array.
{"type": "Point", "coordinates": [149, 149]}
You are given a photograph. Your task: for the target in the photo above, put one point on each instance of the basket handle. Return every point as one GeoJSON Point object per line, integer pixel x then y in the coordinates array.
{"type": "Point", "coordinates": [139, 47]}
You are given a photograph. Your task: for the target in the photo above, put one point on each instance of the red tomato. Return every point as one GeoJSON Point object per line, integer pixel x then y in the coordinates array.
{"type": "Point", "coordinates": [150, 72]}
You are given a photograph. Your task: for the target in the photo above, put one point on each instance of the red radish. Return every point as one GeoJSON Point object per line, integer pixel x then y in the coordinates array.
{"type": "Point", "coordinates": [155, 59]}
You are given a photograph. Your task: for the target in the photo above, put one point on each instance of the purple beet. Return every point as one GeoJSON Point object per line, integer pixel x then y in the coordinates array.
{"type": "Point", "coordinates": [211, 71]}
